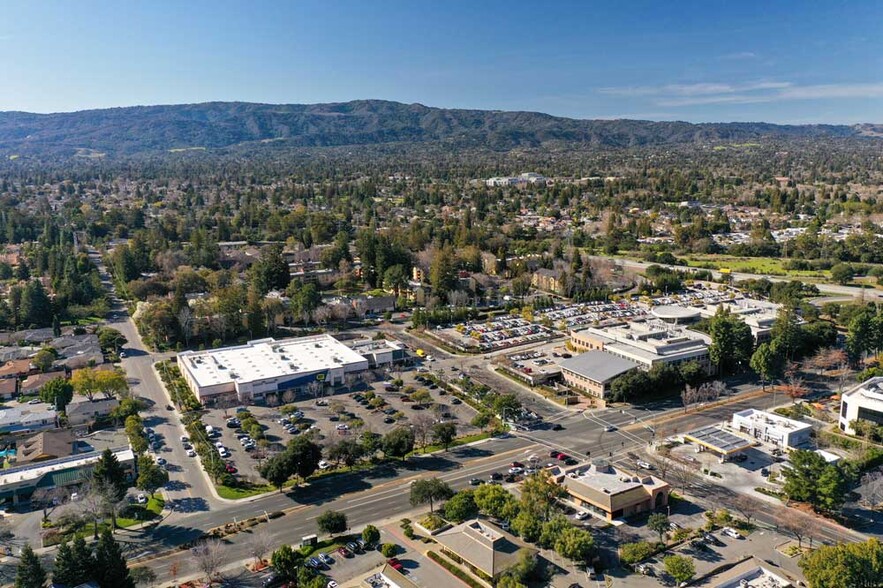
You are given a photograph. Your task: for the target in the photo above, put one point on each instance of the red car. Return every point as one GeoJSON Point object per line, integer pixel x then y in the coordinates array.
{"type": "Point", "coordinates": [395, 563]}
{"type": "Point", "coordinates": [344, 552]}
{"type": "Point", "coordinates": [563, 456]}
{"type": "Point", "coordinates": [230, 469]}
{"type": "Point", "coordinates": [517, 464]}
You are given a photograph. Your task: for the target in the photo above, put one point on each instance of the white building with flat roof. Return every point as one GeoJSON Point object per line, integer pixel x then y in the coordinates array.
{"type": "Point", "coordinates": [647, 343]}
{"type": "Point", "coordinates": [269, 367]}
{"type": "Point", "coordinates": [864, 402]}
{"type": "Point", "coordinates": [772, 428]}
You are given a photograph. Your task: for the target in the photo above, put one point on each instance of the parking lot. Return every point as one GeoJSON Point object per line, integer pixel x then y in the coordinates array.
{"type": "Point", "coordinates": [757, 468]}
{"type": "Point", "coordinates": [375, 406]}
{"type": "Point", "coordinates": [499, 333]}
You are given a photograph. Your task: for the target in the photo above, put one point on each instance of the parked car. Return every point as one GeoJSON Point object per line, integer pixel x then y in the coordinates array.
{"type": "Point", "coordinates": [184, 439]}
{"type": "Point", "coordinates": [644, 465]}
{"type": "Point", "coordinates": [609, 429]}
{"type": "Point", "coordinates": [516, 470]}
{"type": "Point", "coordinates": [344, 552]}
{"type": "Point", "coordinates": [496, 476]}
{"type": "Point", "coordinates": [141, 499]}
{"type": "Point", "coordinates": [353, 546]}
{"type": "Point", "coordinates": [191, 453]}
{"type": "Point", "coordinates": [557, 427]}
{"type": "Point", "coordinates": [731, 533]}
{"type": "Point", "coordinates": [325, 558]}
{"type": "Point", "coordinates": [395, 564]}
{"type": "Point", "coordinates": [230, 468]}
{"type": "Point", "coordinates": [324, 465]}
{"type": "Point", "coordinates": [476, 482]}
{"type": "Point", "coordinates": [581, 515]}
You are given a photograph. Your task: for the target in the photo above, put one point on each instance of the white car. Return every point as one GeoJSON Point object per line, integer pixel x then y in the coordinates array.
{"type": "Point", "coordinates": [141, 499]}
{"type": "Point", "coordinates": [516, 470]}
{"type": "Point", "coordinates": [123, 355]}
{"type": "Point", "coordinates": [343, 427]}
{"type": "Point", "coordinates": [731, 533]}
{"type": "Point", "coordinates": [324, 465]}
{"type": "Point", "coordinates": [581, 515]}
{"type": "Point", "coordinates": [644, 465]}
{"type": "Point", "coordinates": [191, 453]}
{"type": "Point", "coordinates": [331, 584]}
{"type": "Point", "coordinates": [219, 444]}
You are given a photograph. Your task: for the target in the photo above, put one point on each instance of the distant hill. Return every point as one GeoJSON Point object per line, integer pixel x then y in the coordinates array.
{"type": "Point", "coordinates": [144, 130]}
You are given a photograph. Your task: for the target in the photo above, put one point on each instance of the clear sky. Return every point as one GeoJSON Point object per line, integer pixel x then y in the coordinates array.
{"type": "Point", "coordinates": [782, 61]}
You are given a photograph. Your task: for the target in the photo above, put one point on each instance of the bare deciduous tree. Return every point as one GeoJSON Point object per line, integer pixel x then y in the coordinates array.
{"type": "Point", "coordinates": [745, 506]}
{"type": "Point", "coordinates": [421, 425]}
{"type": "Point", "coordinates": [259, 544]}
{"type": "Point", "coordinates": [209, 556]}
{"type": "Point", "coordinates": [797, 524]}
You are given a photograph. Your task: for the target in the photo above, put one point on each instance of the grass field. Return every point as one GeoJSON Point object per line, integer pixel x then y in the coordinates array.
{"type": "Point", "coordinates": [752, 265]}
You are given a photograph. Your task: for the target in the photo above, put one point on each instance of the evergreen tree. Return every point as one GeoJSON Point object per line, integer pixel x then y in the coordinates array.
{"type": "Point", "coordinates": [110, 565]}
{"type": "Point", "coordinates": [74, 564]}
{"type": "Point", "coordinates": [109, 475]}
{"type": "Point", "coordinates": [30, 573]}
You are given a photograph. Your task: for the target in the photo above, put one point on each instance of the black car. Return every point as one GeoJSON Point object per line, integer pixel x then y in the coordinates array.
{"type": "Point", "coordinates": [274, 580]}
{"type": "Point", "coordinates": [456, 401]}
{"type": "Point", "coordinates": [354, 547]}
{"type": "Point", "coordinates": [557, 427]}
{"type": "Point", "coordinates": [496, 476]}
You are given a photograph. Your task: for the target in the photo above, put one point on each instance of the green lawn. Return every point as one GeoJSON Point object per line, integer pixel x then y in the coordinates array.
{"type": "Point", "coordinates": [238, 493]}
{"type": "Point", "coordinates": [455, 443]}
{"type": "Point", "coordinates": [752, 265]}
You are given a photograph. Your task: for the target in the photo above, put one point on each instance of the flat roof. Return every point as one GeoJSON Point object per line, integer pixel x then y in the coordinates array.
{"type": "Point", "coordinates": [598, 366]}
{"type": "Point", "coordinates": [772, 419]}
{"type": "Point", "coordinates": [40, 469]}
{"type": "Point", "coordinates": [718, 440]}
{"type": "Point", "coordinates": [673, 311]}
{"type": "Point", "coordinates": [267, 358]}
{"type": "Point", "coordinates": [604, 477]}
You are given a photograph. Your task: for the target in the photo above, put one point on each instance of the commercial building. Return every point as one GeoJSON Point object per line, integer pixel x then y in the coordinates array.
{"type": "Point", "coordinates": [388, 577]}
{"type": "Point", "coordinates": [772, 428]}
{"type": "Point", "coordinates": [759, 315]}
{"type": "Point", "coordinates": [751, 573]}
{"type": "Point", "coordinates": [486, 550]}
{"type": "Point", "coordinates": [610, 492]}
{"type": "Point", "coordinates": [647, 342]}
{"type": "Point", "coordinates": [18, 483]}
{"type": "Point", "coordinates": [267, 367]}
{"type": "Point", "coordinates": [591, 372]}
{"type": "Point", "coordinates": [379, 352]}
{"type": "Point", "coordinates": [718, 441]}
{"type": "Point", "coordinates": [864, 402]}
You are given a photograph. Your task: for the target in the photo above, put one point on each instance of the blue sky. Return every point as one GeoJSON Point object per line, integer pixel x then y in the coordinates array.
{"type": "Point", "coordinates": [785, 61]}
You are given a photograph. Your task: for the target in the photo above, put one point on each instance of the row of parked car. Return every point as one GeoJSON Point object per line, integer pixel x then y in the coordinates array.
{"type": "Point", "coordinates": [323, 561]}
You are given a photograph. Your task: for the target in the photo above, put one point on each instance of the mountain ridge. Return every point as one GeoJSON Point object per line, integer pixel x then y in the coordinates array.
{"type": "Point", "coordinates": [144, 130]}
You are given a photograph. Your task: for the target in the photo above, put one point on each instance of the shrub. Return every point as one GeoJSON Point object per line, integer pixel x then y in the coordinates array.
{"type": "Point", "coordinates": [632, 553]}
{"type": "Point", "coordinates": [389, 549]}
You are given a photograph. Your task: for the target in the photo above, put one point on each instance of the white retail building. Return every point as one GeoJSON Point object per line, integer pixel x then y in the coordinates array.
{"type": "Point", "coordinates": [772, 428]}
{"type": "Point", "coordinates": [864, 402]}
{"type": "Point", "coordinates": [269, 367]}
